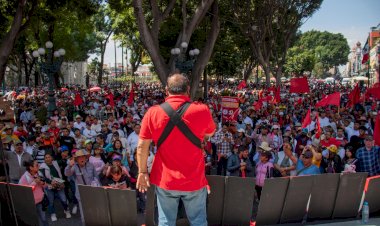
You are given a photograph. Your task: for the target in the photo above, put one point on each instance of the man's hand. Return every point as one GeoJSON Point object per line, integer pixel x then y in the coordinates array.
{"type": "Point", "coordinates": [72, 162]}
{"type": "Point", "coordinates": [288, 152]}
{"type": "Point", "coordinates": [143, 182]}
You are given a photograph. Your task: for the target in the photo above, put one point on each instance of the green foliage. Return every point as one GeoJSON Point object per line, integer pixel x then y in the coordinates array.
{"type": "Point", "coordinates": [67, 23]}
{"type": "Point", "coordinates": [318, 52]}
{"type": "Point", "coordinates": [231, 52]}
{"type": "Point", "coordinates": [299, 60]}
{"type": "Point", "coordinates": [126, 32]}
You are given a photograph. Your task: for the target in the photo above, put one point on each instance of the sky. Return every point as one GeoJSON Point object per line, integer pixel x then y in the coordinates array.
{"type": "Point", "coordinates": [352, 18]}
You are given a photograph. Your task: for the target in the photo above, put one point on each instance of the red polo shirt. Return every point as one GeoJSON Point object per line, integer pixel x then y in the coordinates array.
{"type": "Point", "coordinates": [179, 164]}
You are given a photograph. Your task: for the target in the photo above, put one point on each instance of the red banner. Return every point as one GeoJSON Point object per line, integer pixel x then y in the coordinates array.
{"type": "Point", "coordinates": [230, 108]}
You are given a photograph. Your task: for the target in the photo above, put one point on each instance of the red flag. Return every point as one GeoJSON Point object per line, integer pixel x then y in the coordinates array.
{"type": "Point", "coordinates": [307, 119]}
{"type": "Point", "coordinates": [277, 95]}
{"type": "Point", "coordinates": [354, 96]}
{"type": "Point", "coordinates": [374, 91]}
{"type": "Point", "coordinates": [365, 52]}
{"type": "Point", "coordinates": [299, 101]}
{"type": "Point", "coordinates": [131, 96]}
{"type": "Point", "coordinates": [376, 131]}
{"type": "Point", "coordinates": [272, 89]}
{"type": "Point", "coordinates": [78, 100]}
{"type": "Point", "coordinates": [242, 85]}
{"type": "Point", "coordinates": [318, 128]}
{"type": "Point", "coordinates": [332, 99]}
{"type": "Point", "coordinates": [111, 98]}
{"type": "Point", "coordinates": [299, 85]}
{"type": "Point", "coordinates": [258, 104]}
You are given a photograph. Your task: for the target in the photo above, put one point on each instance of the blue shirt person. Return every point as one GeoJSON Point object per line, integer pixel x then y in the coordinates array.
{"type": "Point", "coordinates": [369, 157]}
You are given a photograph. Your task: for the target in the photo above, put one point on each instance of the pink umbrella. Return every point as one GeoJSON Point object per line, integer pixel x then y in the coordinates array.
{"type": "Point", "coordinates": [95, 89]}
{"type": "Point", "coordinates": [64, 89]}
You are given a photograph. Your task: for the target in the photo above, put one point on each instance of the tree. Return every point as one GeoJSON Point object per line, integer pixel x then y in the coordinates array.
{"type": "Point", "coordinates": [270, 27]}
{"type": "Point", "coordinates": [327, 49]}
{"type": "Point", "coordinates": [24, 11]}
{"type": "Point", "coordinates": [299, 60]}
{"type": "Point", "coordinates": [65, 22]}
{"type": "Point", "coordinates": [230, 57]}
{"type": "Point", "coordinates": [127, 33]}
{"type": "Point", "coordinates": [150, 18]}
{"type": "Point", "coordinates": [103, 30]}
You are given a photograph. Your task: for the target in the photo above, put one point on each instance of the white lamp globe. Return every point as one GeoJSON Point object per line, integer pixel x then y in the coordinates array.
{"type": "Point", "coordinates": [56, 54]}
{"type": "Point", "coordinates": [172, 51]}
{"type": "Point", "coordinates": [177, 51]}
{"type": "Point", "coordinates": [62, 52]}
{"type": "Point", "coordinates": [196, 52]}
{"type": "Point", "coordinates": [191, 52]}
{"type": "Point", "coordinates": [49, 44]}
{"type": "Point", "coordinates": [184, 45]}
{"type": "Point", "coordinates": [41, 51]}
{"type": "Point", "coordinates": [35, 54]}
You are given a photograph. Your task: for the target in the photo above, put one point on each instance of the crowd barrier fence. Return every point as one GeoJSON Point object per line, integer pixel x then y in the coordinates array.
{"type": "Point", "coordinates": [231, 201]}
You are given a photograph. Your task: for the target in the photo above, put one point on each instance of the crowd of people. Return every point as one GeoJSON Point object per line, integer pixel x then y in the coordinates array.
{"type": "Point", "coordinates": [91, 138]}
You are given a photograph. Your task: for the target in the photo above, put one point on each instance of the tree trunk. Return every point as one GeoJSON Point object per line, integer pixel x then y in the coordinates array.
{"type": "Point", "coordinates": [150, 44]}
{"type": "Point", "coordinates": [27, 74]}
{"type": "Point", "coordinates": [102, 52]}
{"type": "Point", "coordinates": [248, 70]}
{"type": "Point", "coordinates": [279, 74]}
{"type": "Point", "coordinates": [100, 75]}
{"type": "Point", "coordinates": [19, 71]}
{"type": "Point", "coordinates": [206, 52]}
{"type": "Point", "coordinates": [87, 80]}
{"type": "Point", "coordinates": [150, 37]}
{"type": "Point", "coordinates": [267, 75]}
{"type": "Point", "coordinates": [10, 38]}
{"type": "Point", "coordinates": [36, 78]}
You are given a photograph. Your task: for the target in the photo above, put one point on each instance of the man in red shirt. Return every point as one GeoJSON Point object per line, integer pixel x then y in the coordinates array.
{"type": "Point", "coordinates": [179, 169]}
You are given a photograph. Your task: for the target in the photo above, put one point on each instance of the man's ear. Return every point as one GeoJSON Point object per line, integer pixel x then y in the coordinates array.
{"type": "Point", "coordinates": [188, 90]}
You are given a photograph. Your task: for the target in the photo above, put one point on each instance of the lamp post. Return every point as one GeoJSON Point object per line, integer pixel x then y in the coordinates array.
{"type": "Point", "coordinates": [49, 66]}
{"type": "Point", "coordinates": [183, 63]}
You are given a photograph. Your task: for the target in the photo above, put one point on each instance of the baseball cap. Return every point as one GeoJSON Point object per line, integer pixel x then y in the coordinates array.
{"type": "Point", "coordinates": [64, 148]}
{"type": "Point", "coordinates": [307, 154]}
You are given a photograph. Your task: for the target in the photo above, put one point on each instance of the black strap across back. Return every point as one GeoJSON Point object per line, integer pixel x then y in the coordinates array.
{"type": "Point", "coordinates": [176, 120]}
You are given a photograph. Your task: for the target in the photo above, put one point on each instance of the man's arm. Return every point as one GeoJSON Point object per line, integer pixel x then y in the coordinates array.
{"type": "Point", "coordinates": [143, 154]}
{"type": "Point", "coordinates": [142, 161]}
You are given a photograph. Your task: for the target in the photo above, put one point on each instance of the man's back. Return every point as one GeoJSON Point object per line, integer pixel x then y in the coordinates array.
{"type": "Point", "coordinates": [178, 164]}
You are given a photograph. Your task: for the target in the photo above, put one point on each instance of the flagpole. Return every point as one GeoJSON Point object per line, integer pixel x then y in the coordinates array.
{"type": "Point", "coordinates": [369, 59]}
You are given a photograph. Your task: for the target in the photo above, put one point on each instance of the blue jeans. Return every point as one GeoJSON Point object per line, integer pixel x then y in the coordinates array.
{"type": "Point", "coordinates": [41, 215]}
{"type": "Point", "coordinates": [51, 194]}
{"type": "Point", "coordinates": [194, 202]}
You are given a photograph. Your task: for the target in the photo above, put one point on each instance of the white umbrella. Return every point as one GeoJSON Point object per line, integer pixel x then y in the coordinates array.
{"type": "Point", "coordinates": [360, 78]}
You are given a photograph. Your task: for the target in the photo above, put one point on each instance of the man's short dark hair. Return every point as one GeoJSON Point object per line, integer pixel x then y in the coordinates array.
{"type": "Point", "coordinates": [177, 84]}
{"type": "Point", "coordinates": [242, 148]}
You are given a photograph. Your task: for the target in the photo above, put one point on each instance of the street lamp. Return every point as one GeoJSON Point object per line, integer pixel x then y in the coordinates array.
{"type": "Point", "coordinates": [183, 63]}
{"type": "Point", "coordinates": [49, 66]}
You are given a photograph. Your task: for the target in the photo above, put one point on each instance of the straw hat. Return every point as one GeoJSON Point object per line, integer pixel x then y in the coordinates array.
{"type": "Point", "coordinates": [80, 153]}
{"type": "Point", "coordinates": [265, 146]}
